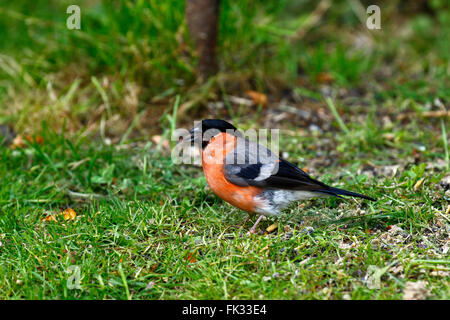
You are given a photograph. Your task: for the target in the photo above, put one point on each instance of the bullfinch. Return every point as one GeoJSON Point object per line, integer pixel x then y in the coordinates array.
{"type": "Point", "coordinates": [251, 177]}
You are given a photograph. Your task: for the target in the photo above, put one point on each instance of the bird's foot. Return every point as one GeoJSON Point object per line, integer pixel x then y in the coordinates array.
{"type": "Point", "coordinates": [251, 231]}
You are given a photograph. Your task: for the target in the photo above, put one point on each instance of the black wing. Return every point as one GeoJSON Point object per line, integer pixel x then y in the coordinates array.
{"type": "Point", "coordinates": [277, 173]}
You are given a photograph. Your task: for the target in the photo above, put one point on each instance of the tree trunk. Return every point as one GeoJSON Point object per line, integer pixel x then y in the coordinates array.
{"type": "Point", "coordinates": [202, 20]}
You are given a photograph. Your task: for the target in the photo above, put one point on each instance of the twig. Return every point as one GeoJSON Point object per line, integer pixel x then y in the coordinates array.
{"type": "Point", "coordinates": [425, 114]}
{"type": "Point", "coordinates": [85, 195]}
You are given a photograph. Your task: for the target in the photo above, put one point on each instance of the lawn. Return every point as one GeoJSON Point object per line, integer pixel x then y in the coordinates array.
{"type": "Point", "coordinates": [93, 207]}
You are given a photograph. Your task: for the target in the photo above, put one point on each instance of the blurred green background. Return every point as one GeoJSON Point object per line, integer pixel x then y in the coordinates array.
{"type": "Point", "coordinates": [139, 54]}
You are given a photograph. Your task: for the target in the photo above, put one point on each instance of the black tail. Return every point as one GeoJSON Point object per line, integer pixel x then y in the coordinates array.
{"type": "Point", "coordinates": [337, 192]}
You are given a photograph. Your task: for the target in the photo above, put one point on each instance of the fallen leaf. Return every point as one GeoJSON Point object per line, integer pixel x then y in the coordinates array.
{"type": "Point", "coordinates": [164, 143]}
{"type": "Point", "coordinates": [272, 228]}
{"type": "Point", "coordinates": [69, 214]}
{"type": "Point", "coordinates": [18, 142]}
{"type": "Point", "coordinates": [324, 78]}
{"type": "Point", "coordinates": [190, 257]}
{"type": "Point", "coordinates": [415, 290]}
{"type": "Point", "coordinates": [418, 184]}
{"type": "Point", "coordinates": [51, 217]}
{"type": "Point", "coordinates": [37, 139]}
{"type": "Point", "coordinates": [301, 205]}
{"type": "Point", "coordinates": [257, 97]}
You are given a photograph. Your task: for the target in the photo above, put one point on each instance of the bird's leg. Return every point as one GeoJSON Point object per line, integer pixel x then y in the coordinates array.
{"type": "Point", "coordinates": [253, 229]}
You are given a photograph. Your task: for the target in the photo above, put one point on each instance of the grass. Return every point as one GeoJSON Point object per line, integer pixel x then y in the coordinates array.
{"type": "Point", "coordinates": [139, 55]}
{"type": "Point", "coordinates": [142, 220]}
{"type": "Point", "coordinates": [354, 116]}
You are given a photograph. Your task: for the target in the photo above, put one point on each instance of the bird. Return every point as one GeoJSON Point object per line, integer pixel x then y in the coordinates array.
{"type": "Point", "coordinates": [250, 176]}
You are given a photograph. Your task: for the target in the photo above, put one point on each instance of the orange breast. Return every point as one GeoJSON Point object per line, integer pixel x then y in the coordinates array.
{"type": "Point", "coordinates": [213, 161]}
